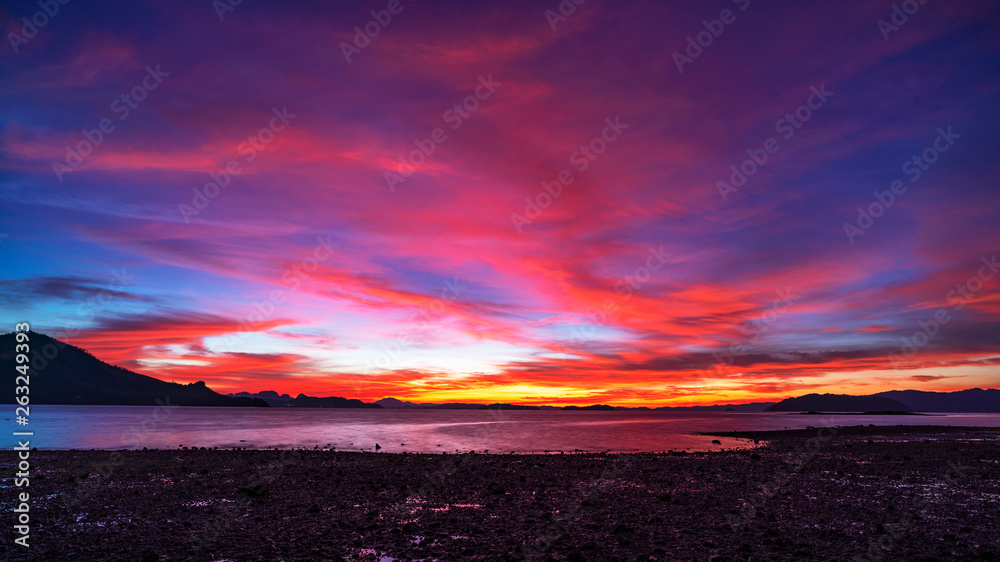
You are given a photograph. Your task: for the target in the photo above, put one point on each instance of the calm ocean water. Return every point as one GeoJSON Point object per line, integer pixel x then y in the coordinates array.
{"type": "Point", "coordinates": [131, 427]}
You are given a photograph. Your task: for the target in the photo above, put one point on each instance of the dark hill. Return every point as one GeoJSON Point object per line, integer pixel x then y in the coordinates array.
{"type": "Point", "coordinates": [507, 407]}
{"type": "Point", "coordinates": [752, 407]}
{"type": "Point", "coordinates": [592, 407]}
{"type": "Point", "coordinates": [394, 404]}
{"type": "Point", "coordinates": [839, 403]}
{"type": "Point", "coordinates": [971, 400]}
{"type": "Point", "coordinates": [302, 401]}
{"type": "Point", "coordinates": [66, 374]}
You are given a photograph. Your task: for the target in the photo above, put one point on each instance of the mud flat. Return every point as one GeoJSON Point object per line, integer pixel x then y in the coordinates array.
{"type": "Point", "coordinates": [874, 493]}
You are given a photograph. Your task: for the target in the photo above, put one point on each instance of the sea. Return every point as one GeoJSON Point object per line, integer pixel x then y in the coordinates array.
{"type": "Point", "coordinates": [422, 431]}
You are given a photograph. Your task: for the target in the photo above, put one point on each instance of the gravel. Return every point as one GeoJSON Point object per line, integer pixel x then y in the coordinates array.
{"type": "Point", "coordinates": [874, 493]}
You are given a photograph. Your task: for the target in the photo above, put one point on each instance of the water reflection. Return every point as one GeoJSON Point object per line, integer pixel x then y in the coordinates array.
{"type": "Point", "coordinates": [435, 431]}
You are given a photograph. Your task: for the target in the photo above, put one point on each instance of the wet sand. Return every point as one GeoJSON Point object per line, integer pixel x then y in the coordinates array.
{"type": "Point", "coordinates": [875, 493]}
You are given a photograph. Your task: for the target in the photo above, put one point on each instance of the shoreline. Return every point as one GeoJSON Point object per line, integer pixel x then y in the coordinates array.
{"type": "Point", "coordinates": [813, 494]}
{"type": "Point", "coordinates": [744, 437]}
{"type": "Point", "coordinates": [858, 431]}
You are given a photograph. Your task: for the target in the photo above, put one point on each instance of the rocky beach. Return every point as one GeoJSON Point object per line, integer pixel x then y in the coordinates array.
{"type": "Point", "coordinates": [855, 493]}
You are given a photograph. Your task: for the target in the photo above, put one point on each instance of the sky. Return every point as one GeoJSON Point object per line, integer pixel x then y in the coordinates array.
{"type": "Point", "coordinates": [528, 202]}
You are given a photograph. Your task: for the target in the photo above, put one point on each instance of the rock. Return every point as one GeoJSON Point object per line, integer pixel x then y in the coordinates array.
{"type": "Point", "coordinates": [257, 491]}
{"type": "Point", "coordinates": [314, 508]}
{"type": "Point", "coordinates": [621, 529]}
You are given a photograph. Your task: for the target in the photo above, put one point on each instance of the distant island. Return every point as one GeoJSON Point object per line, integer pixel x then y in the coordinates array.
{"type": "Point", "coordinates": [973, 400]}
{"type": "Point", "coordinates": [507, 407]}
{"type": "Point", "coordinates": [396, 404]}
{"type": "Point", "coordinates": [273, 399]}
{"type": "Point", "coordinates": [839, 403]}
{"type": "Point", "coordinates": [594, 407]}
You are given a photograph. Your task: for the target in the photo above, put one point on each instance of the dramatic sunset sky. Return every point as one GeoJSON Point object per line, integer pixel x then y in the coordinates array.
{"type": "Point", "coordinates": [323, 266]}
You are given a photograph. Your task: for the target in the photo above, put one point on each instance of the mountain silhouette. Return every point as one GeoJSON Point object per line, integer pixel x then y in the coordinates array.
{"type": "Point", "coordinates": [302, 401]}
{"type": "Point", "coordinates": [972, 400]}
{"type": "Point", "coordinates": [839, 403]}
{"type": "Point", "coordinates": [962, 401]}
{"type": "Point", "coordinates": [65, 374]}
